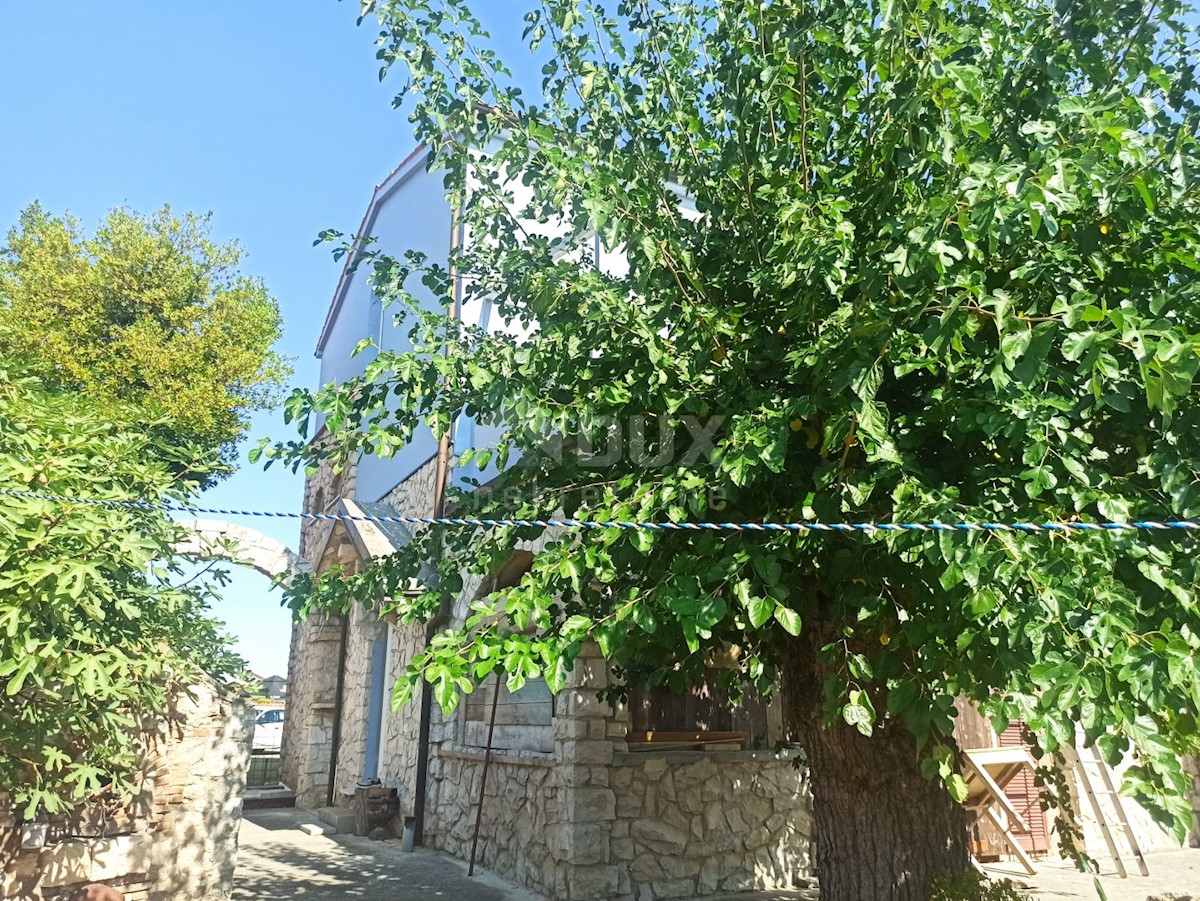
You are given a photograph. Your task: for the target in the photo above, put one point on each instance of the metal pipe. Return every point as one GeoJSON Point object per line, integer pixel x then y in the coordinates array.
{"type": "Point", "coordinates": [337, 708]}
{"type": "Point", "coordinates": [422, 758]}
{"type": "Point", "coordinates": [487, 760]}
{"type": "Point", "coordinates": [441, 478]}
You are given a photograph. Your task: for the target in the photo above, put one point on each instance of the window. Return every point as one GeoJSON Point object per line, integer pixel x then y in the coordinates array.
{"type": "Point", "coordinates": [702, 718]}
{"type": "Point", "coordinates": [524, 719]}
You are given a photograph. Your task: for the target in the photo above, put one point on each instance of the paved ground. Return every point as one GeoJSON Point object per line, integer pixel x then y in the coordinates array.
{"type": "Point", "coordinates": [1176, 872]}
{"type": "Point", "coordinates": [278, 861]}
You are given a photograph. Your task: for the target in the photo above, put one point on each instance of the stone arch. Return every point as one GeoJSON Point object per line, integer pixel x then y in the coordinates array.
{"type": "Point", "coordinates": [211, 539]}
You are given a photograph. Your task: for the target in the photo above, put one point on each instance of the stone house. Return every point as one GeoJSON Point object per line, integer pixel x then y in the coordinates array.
{"type": "Point", "coordinates": [577, 804]}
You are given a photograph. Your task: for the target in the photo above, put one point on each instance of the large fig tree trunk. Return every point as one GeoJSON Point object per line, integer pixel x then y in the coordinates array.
{"type": "Point", "coordinates": [882, 830]}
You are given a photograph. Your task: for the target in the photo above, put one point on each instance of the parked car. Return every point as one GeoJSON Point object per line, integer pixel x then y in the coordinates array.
{"type": "Point", "coordinates": [268, 728]}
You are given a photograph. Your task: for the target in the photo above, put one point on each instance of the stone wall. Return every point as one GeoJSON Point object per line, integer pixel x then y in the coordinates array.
{"type": "Point", "coordinates": [398, 762]}
{"type": "Point", "coordinates": [691, 823]}
{"type": "Point", "coordinates": [316, 650]}
{"type": "Point", "coordinates": [321, 489]}
{"type": "Point", "coordinates": [312, 690]}
{"type": "Point", "coordinates": [365, 627]}
{"type": "Point", "coordinates": [415, 496]}
{"type": "Point", "coordinates": [584, 822]}
{"type": "Point", "coordinates": [595, 821]}
{"type": "Point", "coordinates": [307, 745]}
{"type": "Point", "coordinates": [521, 815]}
{"type": "Point", "coordinates": [177, 839]}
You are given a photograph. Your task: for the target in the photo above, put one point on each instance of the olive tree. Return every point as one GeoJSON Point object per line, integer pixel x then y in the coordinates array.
{"type": "Point", "coordinates": [902, 262]}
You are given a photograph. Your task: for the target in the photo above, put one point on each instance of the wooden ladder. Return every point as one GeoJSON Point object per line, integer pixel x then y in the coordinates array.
{"type": "Point", "coordinates": [1089, 757]}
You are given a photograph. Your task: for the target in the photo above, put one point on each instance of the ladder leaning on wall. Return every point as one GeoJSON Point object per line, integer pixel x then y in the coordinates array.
{"type": "Point", "coordinates": [1092, 770]}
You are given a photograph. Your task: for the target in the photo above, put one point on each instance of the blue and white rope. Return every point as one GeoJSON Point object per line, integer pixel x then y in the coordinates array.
{"type": "Point", "coordinates": [792, 527]}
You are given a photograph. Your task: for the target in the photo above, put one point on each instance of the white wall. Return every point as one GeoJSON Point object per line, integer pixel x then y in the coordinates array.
{"type": "Point", "coordinates": [409, 212]}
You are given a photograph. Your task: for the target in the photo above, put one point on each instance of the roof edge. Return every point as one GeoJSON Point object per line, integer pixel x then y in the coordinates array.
{"type": "Point", "coordinates": [382, 191]}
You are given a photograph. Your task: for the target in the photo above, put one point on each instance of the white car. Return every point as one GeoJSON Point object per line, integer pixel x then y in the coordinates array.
{"type": "Point", "coordinates": [268, 729]}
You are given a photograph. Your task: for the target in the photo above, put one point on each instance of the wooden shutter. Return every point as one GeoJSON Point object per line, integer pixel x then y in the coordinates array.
{"type": "Point", "coordinates": [1025, 797]}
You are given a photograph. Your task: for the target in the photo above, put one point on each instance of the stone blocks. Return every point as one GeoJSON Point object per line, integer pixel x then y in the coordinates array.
{"type": "Point", "coordinates": [178, 839]}
{"type": "Point", "coordinates": [702, 823]}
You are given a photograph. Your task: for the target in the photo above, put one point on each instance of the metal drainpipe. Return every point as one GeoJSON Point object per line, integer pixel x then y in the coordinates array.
{"type": "Point", "coordinates": [442, 477]}
{"type": "Point", "coordinates": [337, 708]}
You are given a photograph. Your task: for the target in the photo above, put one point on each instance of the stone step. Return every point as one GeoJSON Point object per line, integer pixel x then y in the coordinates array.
{"type": "Point", "coordinates": [267, 798]}
{"type": "Point", "coordinates": [340, 818]}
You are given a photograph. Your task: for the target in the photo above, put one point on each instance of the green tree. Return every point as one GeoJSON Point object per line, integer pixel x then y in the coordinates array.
{"type": "Point", "coordinates": [148, 311]}
{"type": "Point", "coordinates": [942, 266]}
{"type": "Point", "coordinates": [98, 625]}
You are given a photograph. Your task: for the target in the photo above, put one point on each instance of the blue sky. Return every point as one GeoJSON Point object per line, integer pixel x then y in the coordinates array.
{"type": "Point", "coordinates": [269, 114]}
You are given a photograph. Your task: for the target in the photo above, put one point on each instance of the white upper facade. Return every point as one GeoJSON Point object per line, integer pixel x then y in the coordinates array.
{"type": "Point", "coordinates": [410, 211]}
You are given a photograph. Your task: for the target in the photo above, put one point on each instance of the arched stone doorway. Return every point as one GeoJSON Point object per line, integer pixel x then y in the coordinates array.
{"type": "Point", "coordinates": [211, 539]}
{"type": "Point", "coordinates": [216, 540]}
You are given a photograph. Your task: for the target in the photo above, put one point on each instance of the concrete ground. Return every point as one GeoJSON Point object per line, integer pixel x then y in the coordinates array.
{"type": "Point", "coordinates": [278, 861]}
{"type": "Point", "coordinates": [1174, 873]}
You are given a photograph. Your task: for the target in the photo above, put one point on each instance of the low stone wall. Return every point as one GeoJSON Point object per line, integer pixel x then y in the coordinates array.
{"type": "Point", "coordinates": [176, 840]}
{"type": "Point", "coordinates": [521, 815]}
{"type": "Point", "coordinates": [596, 822]}
{"type": "Point", "coordinates": [692, 823]}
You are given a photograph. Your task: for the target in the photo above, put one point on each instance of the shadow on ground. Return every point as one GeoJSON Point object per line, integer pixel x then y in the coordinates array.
{"type": "Point", "coordinates": [278, 861]}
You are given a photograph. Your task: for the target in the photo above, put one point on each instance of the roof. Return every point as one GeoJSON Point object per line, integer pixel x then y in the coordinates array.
{"type": "Point", "coordinates": [383, 190]}
{"type": "Point", "coordinates": [372, 538]}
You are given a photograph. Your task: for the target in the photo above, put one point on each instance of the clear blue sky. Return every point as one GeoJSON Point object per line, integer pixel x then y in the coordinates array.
{"type": "Point", "coordinates": [269, 114]}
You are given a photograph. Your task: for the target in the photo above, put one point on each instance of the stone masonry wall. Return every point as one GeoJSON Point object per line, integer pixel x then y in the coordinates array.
{"type": "Point", "coordinates": [521, 814]}
{"type": "Point", "coordinates": [365, 627]}
{"type": "Point", "coordinates": [314, 655]}
{"type": "Point", "coordinates": [321, 489]}
{"type": "Point", "coordinates": [691, 823]}
{"type": "Point", "coordinates": [414, 496]}
{"type": "Point", "coordinates": [177, 839]}
{"type": "Point", "coordinates": [316, 642]}
{"type": "Point", "coordinates": [398, 762]}
{"type": "Point", "coordinates": [308, 731]}
{"type": "Point", "coordinates": [589, 821]}
{"type": "Point", "coordinates": [595, 821]}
